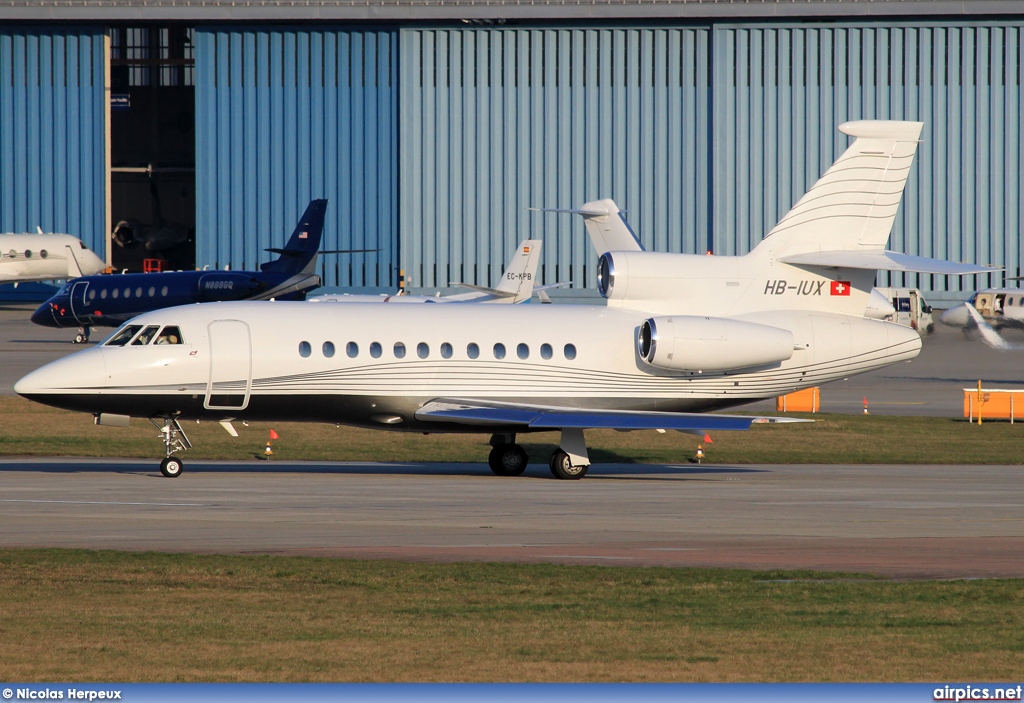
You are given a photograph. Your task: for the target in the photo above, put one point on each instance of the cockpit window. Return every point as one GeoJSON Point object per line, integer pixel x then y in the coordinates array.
{"type": "Point", "coordinates": [170, 335]}
{"type": "Point", "coordinates": [124, 336]}
{"type": "Point", "coordinates": [82, 244]}
{"type": "Point", "coordinates": [147, 335]}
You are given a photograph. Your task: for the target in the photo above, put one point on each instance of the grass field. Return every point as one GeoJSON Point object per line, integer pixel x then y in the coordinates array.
{"type": "Point", "coordinates": [107, 616]}
{"type": "Point", "coordinates": [29, 429]}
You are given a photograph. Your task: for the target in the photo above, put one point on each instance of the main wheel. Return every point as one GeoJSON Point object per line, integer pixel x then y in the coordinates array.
{"type": "Point", "coordinates": [508, 460]}
{"type": "Point", "coordinates": [171, 467]}
{"type": "Point", "coordinates": [562, 468]}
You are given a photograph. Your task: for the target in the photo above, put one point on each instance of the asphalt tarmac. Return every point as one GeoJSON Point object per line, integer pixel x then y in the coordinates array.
{"type": "Point", "coordinates": [901, 521]}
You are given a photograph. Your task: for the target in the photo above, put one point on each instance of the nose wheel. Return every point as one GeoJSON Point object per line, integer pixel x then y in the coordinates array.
{"type": "Point", "coordinates": [83, 335]}
{"type": "Point", "coordinates": [174, 441]}
{"type": "Point", "coordinates": [171, 467]}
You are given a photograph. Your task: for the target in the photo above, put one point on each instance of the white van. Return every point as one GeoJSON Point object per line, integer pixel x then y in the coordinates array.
{"type": "Point", "coordinates": [912, 310]}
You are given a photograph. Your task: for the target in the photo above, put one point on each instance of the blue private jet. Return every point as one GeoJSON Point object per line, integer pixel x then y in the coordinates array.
{"type": "Point", "coordinates": [110, 300]}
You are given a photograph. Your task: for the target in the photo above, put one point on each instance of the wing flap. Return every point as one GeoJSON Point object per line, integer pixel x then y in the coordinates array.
{"type": "Point", "coordinates": [556, 418]}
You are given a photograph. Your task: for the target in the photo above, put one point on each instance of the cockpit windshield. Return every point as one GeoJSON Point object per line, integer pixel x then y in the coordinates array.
{"type": "Point", "coordinates": [147, 335]}
{"type": "Point", "coordinates": [124, 336]}
{"type": "Point", "coordinates": [170, 335]}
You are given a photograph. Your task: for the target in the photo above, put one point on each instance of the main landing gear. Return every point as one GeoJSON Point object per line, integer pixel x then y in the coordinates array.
{"type": "Point", "coordinates": [569, 462]}
{"type": "Point", "coordinates": [174, 441]}
{"type": "Point", "coordinates": [83, 335]}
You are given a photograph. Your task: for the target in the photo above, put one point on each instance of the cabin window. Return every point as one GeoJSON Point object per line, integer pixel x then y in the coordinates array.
{"type": "Point", "coordinates": [170, 335]}
{"type": "Point", "coordinates": [1011, 301]}
{"type": "Point", "coordinates": [472, 350]}
{"type": "Point", "coordinates": [422, 350]}
{"type": "Point", "coordinates": [446, 351]}
{"type": "Point", "coordinates": [147, 335]}
{"type": "Point", "coordinates": [570, 351]}
{"type": "Point", "coordinates": [115, 293]}
{"type": "Point", "coordinates": [13, 254]}
{"type": "Point", "coordinates": [399, 350]}
{"type": "Point", "coordinates": [43, 253]}
{"type": "Point", "coordinates": [499, 351]}
{"type": "Point", "coordinates": [138, 292]}
{"type": "Point", "coordinates": [305, 349]}
{"type": "Point", "coordinates": [376, 350]}
{"type": "Point", "coordinates": [28, 253]}
{"type": "Point", "coordinates": [328, 349]}
{"type": "Point", "coordinates": [152, 291]}
{"type": "Point", "coordinates": [523, 351]}
{"type": "Point", "coordinates": [127, 292]}
{"type": "Point", "coordinates": [545, 351]}
{"type": "Point", "coordinates": [124, 336]}
{"type": "Point", "coordinates": [92, 294]}
{"type": "Point", "coordinates": [103, 294]}
{"type": "Point", "coordinates": [163, 291]}
{"type": "Point", "coordinates": [352, 349]}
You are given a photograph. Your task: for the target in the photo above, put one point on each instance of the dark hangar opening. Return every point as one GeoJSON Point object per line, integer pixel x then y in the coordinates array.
{"type": "Point", "coordinates": [152, 146]}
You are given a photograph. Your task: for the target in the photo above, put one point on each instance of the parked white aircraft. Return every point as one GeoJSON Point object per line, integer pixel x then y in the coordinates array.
{"type": "Point", "coordinates": [1000, 307]}
{"type": "Point", "coordinates": [680, 334]}
{"type": "Point", "coordinates": [45, 257]}
{"type": "Point", "coordinates": [516, 285]}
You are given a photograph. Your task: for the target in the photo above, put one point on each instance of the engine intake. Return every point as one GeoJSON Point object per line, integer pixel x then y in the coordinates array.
{"type": "Point", "coordinates": [691, 343]}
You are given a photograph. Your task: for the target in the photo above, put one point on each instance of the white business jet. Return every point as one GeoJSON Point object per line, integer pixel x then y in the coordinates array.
{"type": "Point", "coordinates": [516, 285]}
{"type": "Point", "coordinates": [45, 257]}
{"type": "Point", "coordinates": [681, 334]}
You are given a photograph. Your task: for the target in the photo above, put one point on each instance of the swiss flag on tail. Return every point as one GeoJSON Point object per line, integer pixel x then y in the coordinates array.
{"type": "Point", "coordinates": [840, 288]}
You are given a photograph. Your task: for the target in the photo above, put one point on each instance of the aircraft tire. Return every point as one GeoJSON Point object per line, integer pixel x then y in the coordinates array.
{"type": "Point", "coordinates": [508, 460]}
{"type": "Point", "coordinates": [171, 467]}
{"type": "Point", "coordinates": [80, 339]}
{"type": "Point", "coordinates": [562, 468]}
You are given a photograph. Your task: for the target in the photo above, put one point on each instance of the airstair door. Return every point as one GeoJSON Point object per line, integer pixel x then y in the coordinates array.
{"type": "Point", "coordinates": [79, 305]}
{"type": "Point", "coordinates": [230, 366]}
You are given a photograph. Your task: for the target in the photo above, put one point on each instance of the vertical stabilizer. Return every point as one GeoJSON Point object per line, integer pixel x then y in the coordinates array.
{"type": "Point", "coordinates": [299, 254]}
{"type": "Point", "coordinates": [607, 227]}
{"type": "Point", "coordinates": [521, 273]}
{"type": "Point", "coordinates": [853, 206]}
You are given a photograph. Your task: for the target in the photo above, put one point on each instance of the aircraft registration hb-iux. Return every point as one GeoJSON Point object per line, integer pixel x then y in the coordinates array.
{"type": "Point", "coordinates": [680, 334]}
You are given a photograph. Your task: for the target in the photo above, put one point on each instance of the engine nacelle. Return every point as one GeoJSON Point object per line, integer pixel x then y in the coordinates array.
{"type": "Point", "coordinates": [691, 343]}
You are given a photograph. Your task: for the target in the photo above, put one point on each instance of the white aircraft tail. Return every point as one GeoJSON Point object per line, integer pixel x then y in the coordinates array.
{"type": "Point", "coordinates": [606, 225]}
{"type": "Point", "coordinates": [853, 206]}
{"type": "Point", "coordinates": [516, 285]}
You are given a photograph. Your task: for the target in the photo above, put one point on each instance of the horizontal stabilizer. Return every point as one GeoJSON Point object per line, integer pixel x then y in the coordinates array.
{"type": "Point", "coordinates": [570, 211]}
{"type": "Point", "coordinates": [553, 418]}
{"type": "Point", "coordinates": [484, 289]}
{"type": "Point", "coordinates": [881, 260]}
{"type": "Point", "coordinates": [297, 252]}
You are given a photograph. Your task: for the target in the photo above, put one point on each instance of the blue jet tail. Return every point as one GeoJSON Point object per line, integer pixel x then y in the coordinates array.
{"type": "Point", "coordinates": [299, 254]}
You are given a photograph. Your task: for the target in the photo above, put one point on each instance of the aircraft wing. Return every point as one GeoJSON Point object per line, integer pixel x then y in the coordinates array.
{"type": "Point", "coordinates": [881, 260]}
{"type": "Point", "coordinates": [472, 412]}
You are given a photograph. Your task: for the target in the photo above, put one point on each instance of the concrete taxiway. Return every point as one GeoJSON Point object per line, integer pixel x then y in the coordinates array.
{"type": "Point", "coordinates": [901, 521]}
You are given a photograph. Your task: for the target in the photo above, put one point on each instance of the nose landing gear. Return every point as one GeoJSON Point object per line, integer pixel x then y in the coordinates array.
{"type": "Point", "coordinates": [174, 441]}
{"type": "Point", "coordinates": [83, 335]}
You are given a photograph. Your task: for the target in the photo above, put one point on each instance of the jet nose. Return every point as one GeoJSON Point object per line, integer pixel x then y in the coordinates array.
{"type": "Point", "coordinates": [65, 383]}
{"type": "Point", "coordinates": [956, 317]}
{"type": "Point", "coordinates": [45, 315]}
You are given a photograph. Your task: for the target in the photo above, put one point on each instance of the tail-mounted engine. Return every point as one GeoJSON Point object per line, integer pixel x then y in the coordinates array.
{"type": "Point", "coordinates": [691, 343]}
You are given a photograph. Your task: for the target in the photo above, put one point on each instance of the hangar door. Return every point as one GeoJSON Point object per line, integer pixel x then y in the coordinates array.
{"type": "Point", "coordinates": [287, 115]}
{"type": "Point", "coordinates": [498, 120]}
{"type": "Point", "coordinates": [52, 132]}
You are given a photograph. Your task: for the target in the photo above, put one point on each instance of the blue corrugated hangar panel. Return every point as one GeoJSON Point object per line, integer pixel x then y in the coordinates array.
{"type": "Point", "coordinates": [287, 115]}
{"type": "Point", "coordinates": [51, 132]}
{"type": "Point", "coordinates": [781, 91]}
{"type": "Point", "coordinates": [497, 120]}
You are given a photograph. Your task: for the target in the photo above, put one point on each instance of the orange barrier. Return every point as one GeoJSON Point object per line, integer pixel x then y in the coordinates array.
{"type": "Point", "coordinates": [806, 401]}
{"type": "Point", "coordinates": [982, 403]}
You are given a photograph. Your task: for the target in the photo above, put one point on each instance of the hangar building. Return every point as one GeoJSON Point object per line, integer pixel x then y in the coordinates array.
{"type": "Point", "coordinates": [431, 125]}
